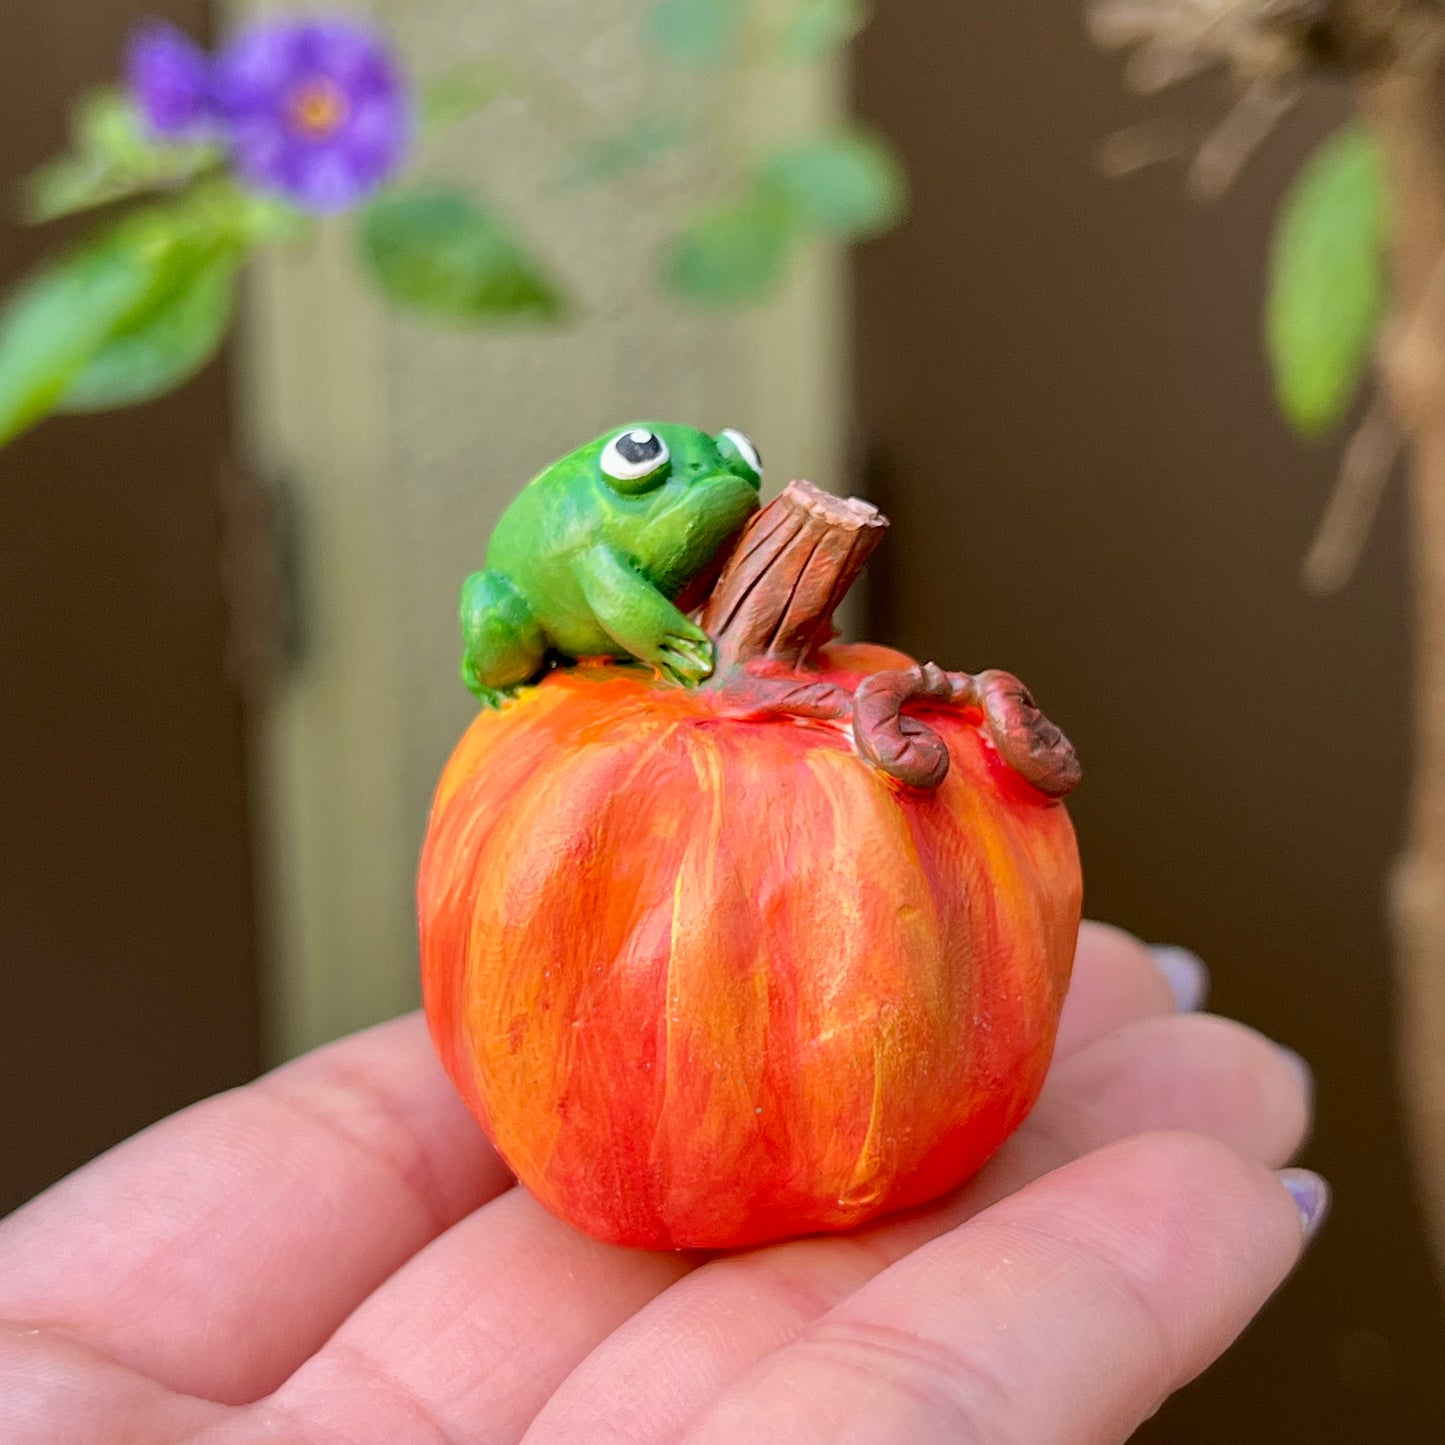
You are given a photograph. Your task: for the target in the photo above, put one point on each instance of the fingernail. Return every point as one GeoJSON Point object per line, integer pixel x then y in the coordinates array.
{"type": "Point", "coordinates": [1301, 1070]}
{"type": "Point", "coordinates": [1186, 975]}
{"type": "Point", "coordinates": [1311, 1196]}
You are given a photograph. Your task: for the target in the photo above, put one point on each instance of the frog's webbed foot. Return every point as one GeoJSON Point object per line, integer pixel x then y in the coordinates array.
{"type": "Point", "coordinates": [505, 646]}
{"type": "Point", "coordinates": [488, 696]}
{"type": "Point", "coordinates": [684, 658]}
{"type": "Point", "coordinates": [642, 622]}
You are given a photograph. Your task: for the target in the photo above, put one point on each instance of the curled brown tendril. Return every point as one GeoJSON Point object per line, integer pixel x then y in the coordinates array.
{"type": "Point", "coordinates": [908, 749]}
{"type": "Point", "coordinates": [905, 747]}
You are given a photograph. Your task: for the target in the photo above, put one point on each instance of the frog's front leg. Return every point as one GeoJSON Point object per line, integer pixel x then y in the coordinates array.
{"type": "Point", "coordinates": [505, 645]}
{"type": "Point", "coordinates": [641, 620]}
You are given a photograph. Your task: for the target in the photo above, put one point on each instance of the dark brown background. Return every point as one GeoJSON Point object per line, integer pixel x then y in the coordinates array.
{"type": "Point", "coordinates": [127, 974]}
{"type": "Point", "coordinates": [1061, 385]}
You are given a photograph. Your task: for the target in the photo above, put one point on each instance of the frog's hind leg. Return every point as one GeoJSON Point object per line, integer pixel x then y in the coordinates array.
{"type": "Point", "coordinates": [505, 646]}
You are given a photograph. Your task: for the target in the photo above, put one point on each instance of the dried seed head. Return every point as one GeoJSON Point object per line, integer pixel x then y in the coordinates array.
{"type": "Point", "coordinates": [1263, 43]}
{"type": "Point", "coordinates": [1264, 39]}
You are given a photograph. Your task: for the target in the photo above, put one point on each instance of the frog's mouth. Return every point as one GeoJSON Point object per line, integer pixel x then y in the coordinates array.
{"type": "Point", "coordinates": [716, 507]}
{"type": "Point", "coordinates": [718, 501]}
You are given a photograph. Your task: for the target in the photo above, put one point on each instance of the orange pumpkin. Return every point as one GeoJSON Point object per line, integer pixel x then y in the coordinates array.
{"type": "Point", "coordinates": [709, 978]}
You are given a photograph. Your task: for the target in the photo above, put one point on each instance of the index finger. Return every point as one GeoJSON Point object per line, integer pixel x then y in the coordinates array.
{"type": "Point", "coordinates": [217, 1251]}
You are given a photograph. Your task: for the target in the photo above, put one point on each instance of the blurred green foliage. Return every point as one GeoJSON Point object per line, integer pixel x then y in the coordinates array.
{"type": "Point", "coordinates": [1327, 285]}
{"type": "Point", "coordinates": [462, 92]}
{"type": "Point", "coordinates": [145, 303]}
{"type": "Point", "coordinates": [732, 255]}
{"type": "Point", "coordinates": [111, 160]}
{"type": "Point", "coordinates": [445, 255]}
{"type": "Point", "coordinates": [700, 31]}
{"type": "Point", "coordinates": [132, 313]}
{"type": "Point", "coordinates": [817, 28]}
{"type": "Point", "coordinates": [844, 186]}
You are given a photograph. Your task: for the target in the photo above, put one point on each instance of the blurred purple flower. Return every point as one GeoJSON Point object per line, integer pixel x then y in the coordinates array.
{"type": "Point", "coordinates": [315, 110]}
{"type": "Point", "coordinates": [169, 78]}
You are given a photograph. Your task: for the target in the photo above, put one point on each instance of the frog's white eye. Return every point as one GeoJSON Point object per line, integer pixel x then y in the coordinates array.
{"type": "Point", "coordinates": [743, 446]}
{"type": "Point", "coordinates": [633, 457]}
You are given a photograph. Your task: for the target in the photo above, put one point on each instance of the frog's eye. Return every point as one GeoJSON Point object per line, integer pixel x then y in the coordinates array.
{"type": "Point", "coordinates": [732, 442]}
{"type": "Point", "coordinates": [633, 458]}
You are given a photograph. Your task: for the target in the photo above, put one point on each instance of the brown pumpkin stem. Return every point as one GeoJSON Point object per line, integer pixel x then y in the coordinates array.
{"type": "Point", "coordinates": [791, 569]}
{"type": "Point", "coordinates": [772, 611]}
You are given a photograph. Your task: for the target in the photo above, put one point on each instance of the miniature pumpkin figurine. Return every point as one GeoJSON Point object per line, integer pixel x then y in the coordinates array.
{"type": "Point", "coordinates": [767, 936]}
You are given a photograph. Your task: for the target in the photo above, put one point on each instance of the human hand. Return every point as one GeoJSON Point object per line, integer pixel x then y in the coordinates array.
{"type": "Point", "coordinates": [333, 1254]}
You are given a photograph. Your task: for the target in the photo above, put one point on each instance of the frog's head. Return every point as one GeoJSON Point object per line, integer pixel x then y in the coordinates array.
{"type": "Point", "coordinates": [674, 495]}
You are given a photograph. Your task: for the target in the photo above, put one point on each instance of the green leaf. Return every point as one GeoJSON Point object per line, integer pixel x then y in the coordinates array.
{"type": "Point", "coordinates": [111, 291]}
{"type": "Point", "coordinates": [1327, 288]}
{"type": "Point", "coordinates": [165, 343]}
{"type": "Point", "coordinates": [66, 186]}
{"type": "Point", "coordinates": [735, 255]}
{"type": "Point", "coordinates": [442, 254]}
{"type": "Point", "coordinates": [818, 28]}
{"type": "Point", "coordinates": [615, 155]}
{"type": "Point", "coordinates": [57, 321]}
{"type": "Point", "coordinates": [700, 32]}
{"type": "Point", "coordinates": [462, 92]}
{"type": "Point", "coordinates": [260, 220]}
{"type": "Point", "coordinates": [846, 184]}
{"type": "Point", "coordinates": [113, 158]}
{"type": "Point", "coordinates": [107, 123]}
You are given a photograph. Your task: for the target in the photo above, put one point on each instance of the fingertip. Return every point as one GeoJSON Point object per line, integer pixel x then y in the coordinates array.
{"type": "Point", "coordinates": [1096, 938]}
{"type": "Point", "coordinates": [1115, 982]}
{"type": "Point", "coordinates": [1194, 1072]}
{"type": "Point", "coordinates": [1304, 1076]}
{"type": "Point", "coordinates": [1212, 1192]}
{"type": "Point", "coordinates": [1310, 1193]}
{"type": "Point", "coordinates": [1185, 973]}
{"type": "Point", "coordinates": [1190, 1208]}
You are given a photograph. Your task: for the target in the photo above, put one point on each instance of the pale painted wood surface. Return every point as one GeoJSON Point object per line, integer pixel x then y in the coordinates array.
{"type": "Point", "coordinates": [402, 443]}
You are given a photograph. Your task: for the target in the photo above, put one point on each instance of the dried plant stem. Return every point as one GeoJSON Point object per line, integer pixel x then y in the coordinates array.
{"type": "Point", "coordinates": [1225, 153]}
{"type": "Point", "coordinates": [1367, 466]}
{"type": "Point", "coordinates": [1406, 106]}
{"type": "Point", "coordinates": [1148, 144]}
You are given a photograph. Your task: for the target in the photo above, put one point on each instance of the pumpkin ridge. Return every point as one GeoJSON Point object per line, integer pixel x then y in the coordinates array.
{"type": "Point", "coordinates": [573, 813]}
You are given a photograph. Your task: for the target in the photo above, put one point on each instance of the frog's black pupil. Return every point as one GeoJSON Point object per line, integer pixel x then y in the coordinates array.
{"type": "Point", "coordinates": [639, 447]}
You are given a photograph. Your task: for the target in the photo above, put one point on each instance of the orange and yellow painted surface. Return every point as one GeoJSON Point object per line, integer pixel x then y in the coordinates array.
{"type": "Point", "coordinates": [709, 981]}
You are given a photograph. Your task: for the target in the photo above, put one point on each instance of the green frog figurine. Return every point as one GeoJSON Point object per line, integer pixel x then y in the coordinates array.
{"type": "Point", "coordinates": [592, 557]}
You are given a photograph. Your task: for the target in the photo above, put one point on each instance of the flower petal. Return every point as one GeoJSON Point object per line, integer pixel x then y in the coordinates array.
{"type": "Point", "coordinates": [169, 78]}
{"type": "Point", "coordinates": [327, 181]}
{"type": "Point", "coordinates": [258, 68]}
{"type": "Point", "coordinates": [344, 52]}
